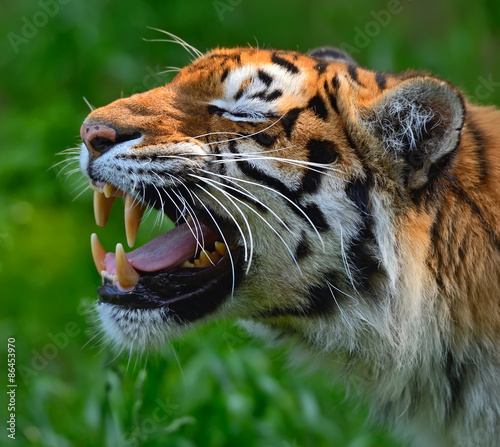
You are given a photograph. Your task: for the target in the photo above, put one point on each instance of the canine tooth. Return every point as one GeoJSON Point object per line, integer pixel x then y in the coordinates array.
{"type": "Point", "coordinates": [108, 190]}
{"type": "Point", "coordinates": [102, 208]}
{"type": "Point", "coordinates": [98, 253]}
{"type": "Point", "coordinates": [220, 248]}
{"type": "Point", "coordinates": [127, 275]}
{"type": "Point", "coordinates": [133, 215]}
{"type": "Point", "coordinates": [187, 264]}
{"type": "Point", "coordinates": [197, 263]}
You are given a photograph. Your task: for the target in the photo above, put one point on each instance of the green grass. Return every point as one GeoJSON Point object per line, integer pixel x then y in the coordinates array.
{"type": "Point", "coordinates": [216, 386]}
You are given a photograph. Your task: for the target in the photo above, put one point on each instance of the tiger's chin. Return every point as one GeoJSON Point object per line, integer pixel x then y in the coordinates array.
{"type": "Point", "coordinates": [181, 276]}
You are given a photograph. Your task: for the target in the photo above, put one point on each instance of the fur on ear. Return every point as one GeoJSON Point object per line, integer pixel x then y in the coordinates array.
{"type": "Point", "coordinates": [331, 54]}
{"type": "Point", "coordinates": [418, 124]}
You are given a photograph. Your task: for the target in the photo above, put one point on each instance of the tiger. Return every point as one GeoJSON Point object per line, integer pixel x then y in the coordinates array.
{"type": "Point", "coordinates": [352, 213]}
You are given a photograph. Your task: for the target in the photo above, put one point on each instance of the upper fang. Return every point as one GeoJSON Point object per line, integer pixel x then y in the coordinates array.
{"type": "Point", "coordinates": [102, 208]}
{"type": "Point", "coordinates": [133, 215]}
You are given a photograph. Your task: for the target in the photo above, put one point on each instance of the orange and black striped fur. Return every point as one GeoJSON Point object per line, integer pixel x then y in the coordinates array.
{"type": "Point", "coordinates": [360, 214]}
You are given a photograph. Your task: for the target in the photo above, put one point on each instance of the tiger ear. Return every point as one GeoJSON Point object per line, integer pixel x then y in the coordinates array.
{"type": "Point", "coordinates": [419, 124]}
{"type": "Point", "coordinates": [331, 54]}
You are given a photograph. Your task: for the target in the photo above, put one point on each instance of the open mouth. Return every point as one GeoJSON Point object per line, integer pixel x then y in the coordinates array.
{"type": "Point", "coordinates": [187, 271]}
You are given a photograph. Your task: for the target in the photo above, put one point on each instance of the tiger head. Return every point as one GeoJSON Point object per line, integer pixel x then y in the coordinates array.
{"type": "Point", "coordinates": [297, 184]}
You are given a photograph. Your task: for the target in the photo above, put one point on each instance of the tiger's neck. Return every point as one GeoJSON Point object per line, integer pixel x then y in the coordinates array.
{"type": "Point", "coordinates": [465, 235]}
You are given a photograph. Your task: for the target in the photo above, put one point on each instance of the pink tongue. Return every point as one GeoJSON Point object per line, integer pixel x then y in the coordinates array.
{"type": "Point", "coordinates": [168, 250]}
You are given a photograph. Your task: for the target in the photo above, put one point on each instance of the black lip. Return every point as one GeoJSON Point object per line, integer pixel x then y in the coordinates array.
{"type": "Point", "coordinates": [185, 294]}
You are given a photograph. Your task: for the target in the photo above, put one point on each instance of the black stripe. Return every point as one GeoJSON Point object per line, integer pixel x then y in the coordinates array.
{"type": "Point", "coordinates": [245, 198]}
{"type": "Point", "coordinates": [214, 110]}
{"type": "Point", "coordinates": [233, 146]}
{"type": "Point", "coordinates": [310, 210]}
{"type": "Point", "coordinates": [322, 152]}
{"type": "Point", "coordinates": [264, 139]}
{"type": "Point", "coordinates": [264, 95]}
{"type": "Point", "coordinates": [321, 66]}
{"type": "Point", "coordinates": [362, 261]}
{"type": "Point", "coordinates": [288, 121]}
{"type": "Point", "coordinates": [353, 72]}
{"type": "Point", "coordinates": [461, 194]}
{"type": "Point", "coordinates": [456, 373]}
{"type": "Point", "coordinates": [222, 166]}
{"type": "Point", "coordinates": [292, 68]}
{"type": "Point", "coordinates": [315, 215]}
{"type": "Point", "coordinates": [480, 141]}
{"type": "Point", "coordinates": [358, 192]}
{"type": "Point", "coordinates": [335, 82]}
{"type": "Point", "coordinates": [361, 257]}
{"type": "Point", "coordinates": [260, 176]}
{"type": "Point", "coordinates": [331, 97]}
{"type": "Point", "coordinates": [318, 106]}
{"type": "Point", "coordinates": [381, 80]}
{"type": "Point", "coordinates": [275, 94]}
{"type": "Point", "coordinates": [303, 248]}
{"type": "Point", "coordinates": [240, 92]}
{"type": "Point", "coordinates": [333, 102]}
{"type": "Point", "coordinates": [224, 75]}
{"type": "Point", "coordinates": [265, 78]}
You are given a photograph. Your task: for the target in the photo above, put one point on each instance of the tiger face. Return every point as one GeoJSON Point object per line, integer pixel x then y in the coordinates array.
{"type": "Point", "coordinates": [354, 211]}
{"type": "Point", "coordinates": [288, 177]}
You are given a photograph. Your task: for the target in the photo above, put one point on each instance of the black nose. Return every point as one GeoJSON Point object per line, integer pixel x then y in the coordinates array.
{"type": "Point", "coordinates": [100, 138]}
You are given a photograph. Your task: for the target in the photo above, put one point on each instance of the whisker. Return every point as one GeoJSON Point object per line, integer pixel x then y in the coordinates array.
{"type": "Point", "coordinates": [175, 39]}
{"type": "Point", "coordinates": [300, 210]}
{"type": "Point", "coordinates": [245, 246]}
{"type": "Point", "coordinates": [345, 261]}
{"type": "Point", "coordinates": [240, 190]}
{"type": "Point", "coordinates": [233, 273]}
{"type": "Point", "coordinates": [194, 219]}
{"type": "Point", "coordinates": [339, 307]}
{"type": "Point", "coordinates": [241, 137]}
{"type": "Point", "coordinates": [247, 224]}
{"type": "Point", "coordinates": [90, 106]}
{"type": "Point", "coordinates": [195, 234]}
{"type": "Point", "coordinates": [228, 195]}
{"type": "Point", "coordinates": [87, 187]}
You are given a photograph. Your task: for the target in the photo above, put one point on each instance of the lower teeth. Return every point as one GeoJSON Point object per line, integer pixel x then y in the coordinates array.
{"type": "Point", "coordinates": [205, 258]}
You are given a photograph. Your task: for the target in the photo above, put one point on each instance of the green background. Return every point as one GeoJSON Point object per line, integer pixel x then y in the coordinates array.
{"type": "Point", "coordinates": [217, 386]}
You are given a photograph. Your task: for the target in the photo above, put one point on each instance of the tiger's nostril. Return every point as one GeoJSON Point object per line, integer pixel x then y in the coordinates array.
{"type": "Point", "coordinates": [99, 138]}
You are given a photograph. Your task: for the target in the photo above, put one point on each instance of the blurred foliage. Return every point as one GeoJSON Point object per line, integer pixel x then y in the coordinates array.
{"type": "Point", "coordinates": [216, 386]}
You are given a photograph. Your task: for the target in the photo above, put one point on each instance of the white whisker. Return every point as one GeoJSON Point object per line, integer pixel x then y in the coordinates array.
{"type": "Point", "coordinates": [300, 210]}
{"type": "Point", "coordinates": [240, 190]}
{"type": "Point", "coordinates": [177, 40]}
{"type": "Point", "coordinates": [233, 273]}
{"type": "Point", "coordinates": [240, 230]}
{"type": "Point", "coordinates": [90, 106]}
